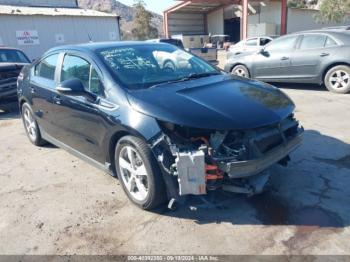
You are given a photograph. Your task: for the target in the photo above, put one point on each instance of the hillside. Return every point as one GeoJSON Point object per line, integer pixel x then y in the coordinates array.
{"type": "Point", "coordinates": [124, 11]}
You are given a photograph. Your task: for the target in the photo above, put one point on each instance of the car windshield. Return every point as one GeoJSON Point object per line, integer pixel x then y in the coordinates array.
{"type": "Point", "coordinates": [145, 66]}
{"type": "Point", "coordinates": [12, 56]}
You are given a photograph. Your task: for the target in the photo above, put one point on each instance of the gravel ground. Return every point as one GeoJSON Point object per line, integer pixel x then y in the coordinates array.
{"type": "Point", "coordinates": [54, 203]}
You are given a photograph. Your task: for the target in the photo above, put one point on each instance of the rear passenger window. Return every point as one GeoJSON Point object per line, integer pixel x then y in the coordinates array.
{"type": "Point", "coordinates": [47, 67]}
{"type": "Point", "coordinates": [313, 41]}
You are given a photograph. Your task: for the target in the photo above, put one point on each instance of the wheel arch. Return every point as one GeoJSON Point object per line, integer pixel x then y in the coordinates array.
{"type": "Point", "coordinates": [111, 147]}
{"type": "Point", "coordinates": [21, 101]}
{"type": "Point", "coordinates": [115, 137]}
{"type": "Point", "coordinates": [330, 67]}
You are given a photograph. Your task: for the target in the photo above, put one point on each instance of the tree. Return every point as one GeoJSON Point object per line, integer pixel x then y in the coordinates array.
{"type": "Point", "coordinates": [143, 29]}
{"type": "Point", "coordinates": [333, 11]}
{"type": "Point", "coordinates": [126, 35]}
{"type": "Point", "coordinates": [296, 4]}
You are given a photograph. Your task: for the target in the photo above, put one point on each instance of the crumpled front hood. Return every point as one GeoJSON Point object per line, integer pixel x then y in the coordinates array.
{"type": "Point", "coordinates": [217, 102]}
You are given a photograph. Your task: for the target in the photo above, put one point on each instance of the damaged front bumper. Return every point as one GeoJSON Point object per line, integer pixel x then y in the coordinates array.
{"type": "Point", "coordinates": [233, 161]}
{"type": "Point", "coordinates": [242, 169]}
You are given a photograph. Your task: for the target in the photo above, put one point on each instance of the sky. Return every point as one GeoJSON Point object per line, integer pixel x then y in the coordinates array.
{"type": "Point", "coordinates": [157, 6]}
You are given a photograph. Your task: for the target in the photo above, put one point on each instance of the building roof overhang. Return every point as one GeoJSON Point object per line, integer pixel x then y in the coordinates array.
{"type": "Point", "coordinates": [200, 6]}
{"type": "Point", "coordinates": [51, 11]}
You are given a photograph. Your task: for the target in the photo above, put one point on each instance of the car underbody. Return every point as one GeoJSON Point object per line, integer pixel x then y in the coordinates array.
{"type": "Point", "coordinates": [236, 161]}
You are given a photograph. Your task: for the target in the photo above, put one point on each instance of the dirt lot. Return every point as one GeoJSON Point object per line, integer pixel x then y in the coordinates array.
{"type": "Point", "coordinates": [53, 203]}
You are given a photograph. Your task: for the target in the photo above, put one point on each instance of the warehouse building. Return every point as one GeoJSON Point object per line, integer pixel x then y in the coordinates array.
{"type": "Point", "coordinates": [37, 25]}
{"type": "Point", "coordinates": [238, 18]}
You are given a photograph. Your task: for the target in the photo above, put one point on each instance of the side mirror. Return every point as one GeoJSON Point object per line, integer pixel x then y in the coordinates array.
{"type": "Point", "coordinates": [74, 87]}
{"type": "Point", "coordinates": [263, 52]}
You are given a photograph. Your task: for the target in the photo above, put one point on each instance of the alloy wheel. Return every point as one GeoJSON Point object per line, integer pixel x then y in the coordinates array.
{"type": "Point", "coordinates": [30, 125]}
{"type": "Point", "coordinates": [133, 173]}
{"type": "Point", "coordinates": [239, 71]}
{"type": "Point", "coordinates": [339, 79]}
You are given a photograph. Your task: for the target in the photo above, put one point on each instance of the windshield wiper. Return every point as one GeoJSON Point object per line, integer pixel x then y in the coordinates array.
{"type": "Point", "coordinates": [187, 78]}
{"type": "Point", "coordinates": [168, 82]}
{"type": "Point", "coordinates": [200, 75]}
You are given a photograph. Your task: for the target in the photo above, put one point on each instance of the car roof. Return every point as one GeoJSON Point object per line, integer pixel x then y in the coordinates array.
{"type": "Point", "coordinates": [9, 48]}
{"type": "Point", "coordinates": [157, 40]}
{"type": "Point", "coordinates": [326, 30]}
{"type": "Point", "coordinates": [263, 36]}
{"type": "Point", "coordinates": [344, 27]}
{"type": "Point", "coordinates": [93, 46]}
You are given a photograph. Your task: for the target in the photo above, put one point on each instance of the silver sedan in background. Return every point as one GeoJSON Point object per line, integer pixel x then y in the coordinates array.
{"type": "Point", "coordinates": [315, 56]}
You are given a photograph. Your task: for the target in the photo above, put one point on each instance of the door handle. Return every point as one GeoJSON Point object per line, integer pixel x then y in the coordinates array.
{"type": "Point", "coordinates": [324, 54]}
{"type": "Point", "coordinates": [284, 58]}
{"type": "Point", "coordinates": [32, 90]}
{"type": "Point", "coordinates": [57, 99]}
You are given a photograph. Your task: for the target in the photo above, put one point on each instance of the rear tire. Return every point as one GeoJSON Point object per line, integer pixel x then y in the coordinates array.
{"type": "Point", "coordinates": [337, 79]}
{"type": "Point", "coordinates": [240, 70]}
{"type": "Point", "coordinates": [139, 173]}
{"type": "Point", "coordinates": [31, 126]}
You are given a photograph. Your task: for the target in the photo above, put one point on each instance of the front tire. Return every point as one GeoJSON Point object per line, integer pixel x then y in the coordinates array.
{"type": "Point", "coordinates": [337, 79]}
{"type": "Point", "coordinates": [139, 173]}
{"type": "Point", "coordinates": [240, 70]}
{"type": "Point", "coordinates": [31, 126]}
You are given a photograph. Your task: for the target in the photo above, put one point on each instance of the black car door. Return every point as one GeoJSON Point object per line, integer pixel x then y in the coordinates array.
{"type": "Point", "coordinates": [42, 85]}
{"type": "Point", "coordinates": [82, 123]}
{"type": "Point", "coordinates": [274, 61]}
{"type": "Point", "coordinates": [312, 51]}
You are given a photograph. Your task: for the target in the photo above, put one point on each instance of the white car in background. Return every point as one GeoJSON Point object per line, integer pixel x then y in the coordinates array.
{"type": "Point", "coordinates": [252, 44]}
{"type": "Point", "coordinates": [172, 61]}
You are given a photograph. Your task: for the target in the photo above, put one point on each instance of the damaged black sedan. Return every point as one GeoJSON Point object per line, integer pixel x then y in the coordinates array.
{"type": "Point", "coordinates": [165, 122]}
{"type": "Point", "coordinates": [11, 62]}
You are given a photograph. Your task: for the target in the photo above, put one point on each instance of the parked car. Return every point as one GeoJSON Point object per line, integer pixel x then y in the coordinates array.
{"type": "Point", "coordinates": [164, 133]}
{"type": "Point", "coordinates": [320, 57]}
{"type": "Point", "coordinates": [250, 45]}
{"type": "Point", "coordinates": [166, 60]}
{"type": "Point", "coordinates": [11, 62]}
{"type": "Point", "coordinates": [171, 61]}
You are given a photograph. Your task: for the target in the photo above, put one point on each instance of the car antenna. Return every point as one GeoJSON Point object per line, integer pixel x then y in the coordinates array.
{"type": "Point", "coordinates": [90, 38]}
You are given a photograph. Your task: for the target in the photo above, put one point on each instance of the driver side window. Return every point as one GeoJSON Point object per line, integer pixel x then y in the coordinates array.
{"type": "Point", "coordinates": [76, 67]}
